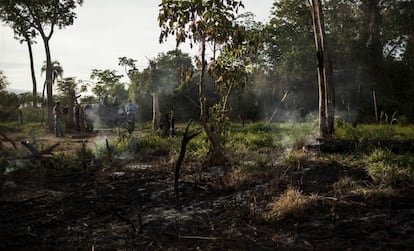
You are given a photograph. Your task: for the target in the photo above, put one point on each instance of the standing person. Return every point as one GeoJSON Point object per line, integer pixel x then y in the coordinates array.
{"type": "Point", "coordinates": [58, 115]}
{"type": "Point", "coordinates": [131, 109]}
{"type": "Point", "coordinates": [77, 115]}
{"type": "Point", "coordinates": [82, 119]}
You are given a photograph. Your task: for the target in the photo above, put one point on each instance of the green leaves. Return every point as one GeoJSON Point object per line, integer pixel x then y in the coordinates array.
{"type": "Point", "coordinates": [197, 20]}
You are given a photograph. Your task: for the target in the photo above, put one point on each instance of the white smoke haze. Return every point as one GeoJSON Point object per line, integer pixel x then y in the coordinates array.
{"type": "Point", "coordinates": [350, 116]}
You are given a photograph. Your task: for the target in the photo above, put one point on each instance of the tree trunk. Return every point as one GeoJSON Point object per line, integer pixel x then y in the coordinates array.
{"type": "Point", "coordinates": [156, 116]}
{"type": "Point", "coordinates": [217, 153]}
{"type": "Point", "coordinates": [29, 46]}
{"type": "Point", "coordinates": [48, 81]}
{"type": "Point", "coordinates": [325, 79]}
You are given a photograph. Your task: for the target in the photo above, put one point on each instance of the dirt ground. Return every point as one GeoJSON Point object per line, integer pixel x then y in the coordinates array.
{"type": "Point", "coordinates": [134, 208]}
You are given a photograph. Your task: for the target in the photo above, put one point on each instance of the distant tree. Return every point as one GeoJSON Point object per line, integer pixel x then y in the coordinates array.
{"type": "Point", "coordinates": [44, 16]}
{"type": "Point", "coordinates": [108, 84]}
{"type": "Point", "coordinates": [129, 65]}
{"type": "Point", "coordinates": [289, 45]}
{"type": "Point", "coordinates": [201, 22]}
{"type": "Point", "coordinates": [57, 72]}
{"type": "Point", "coordinates": [3, 81]}
{"type": "Point", "coordinates": [24, 33]}
{"type": "Point", "coordinates": [162, 76]}
{"type": "Point", "coordinates": [67, 92]}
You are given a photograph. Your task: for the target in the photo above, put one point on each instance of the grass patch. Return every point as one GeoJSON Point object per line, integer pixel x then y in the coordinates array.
{"type": "Point", "coordinates": [292, 203]}
{"type": "Point", "coordinates": [344, 130]}
{"type": "Point", "coordinates": [387, 168]}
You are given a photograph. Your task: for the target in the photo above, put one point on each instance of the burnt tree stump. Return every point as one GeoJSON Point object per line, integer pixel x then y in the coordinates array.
{"type": "Point", "coordinates": [186, 138]}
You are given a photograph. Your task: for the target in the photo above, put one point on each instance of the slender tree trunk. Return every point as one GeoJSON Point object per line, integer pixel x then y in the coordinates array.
{"type": "Point", "coordinates": [29, 47]}
{"type": "Point", "coordinates": [49, 89]}
{"type": "Point", "coordinates": [325, 79]}
{"type": "Point", "coordinates": [217, 153]}
{"type": "Point", "coordinates": [49, 80]}
{"type": "Point", "coordinates": [201, 87]}
{"type": "Point", "coordinates": [156, 115]}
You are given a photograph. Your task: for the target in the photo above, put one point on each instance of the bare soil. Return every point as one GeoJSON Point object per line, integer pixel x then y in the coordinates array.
{"type": "Point", "coordinates": [134, 208]}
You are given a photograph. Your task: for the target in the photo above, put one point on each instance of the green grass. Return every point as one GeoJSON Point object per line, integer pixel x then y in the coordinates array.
{"type": "Point", "coordinates": [388, 168]}
{"type": "Point", "coordinates": [344, 130]}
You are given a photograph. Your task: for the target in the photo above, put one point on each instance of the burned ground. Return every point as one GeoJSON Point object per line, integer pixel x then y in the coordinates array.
{"type": "Point", "coordinates": [131, 206]}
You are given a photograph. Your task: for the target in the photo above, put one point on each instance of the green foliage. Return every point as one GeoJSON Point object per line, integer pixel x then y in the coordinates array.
{"type": "Point", "coordinates": [129, 146]}
{"type": "Point", "coordinates": [107, 84]}
{"type": "Point", "coordinates": [32, 115]}
{"type": "Point", "coordinates": [8, 126]}
{"type": "Point", "coordinates": [9, 103]}
{"type": "Point", "coordinates": [198, 148]}
{"type": "Point", "coordinates": [195, 20]}
{"type": "Point", "coordinates": [33, 130]}
{"type": "Point", "coordinates": [252, 140]}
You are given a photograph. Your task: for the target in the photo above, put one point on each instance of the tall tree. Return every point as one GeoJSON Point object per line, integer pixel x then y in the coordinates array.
{"type": "Point", "coordinates": [24, 33]}
{"type": "Point", "coordinates": [325, 78]}
{"type": "Point", "coordinates": [290, 49]}
{"type": "Point", "coordinates": [67, 89]}
{"type": "Point", "coordinates": [202, 23]}
{"type": "Point", "coordinates": [44, 16]}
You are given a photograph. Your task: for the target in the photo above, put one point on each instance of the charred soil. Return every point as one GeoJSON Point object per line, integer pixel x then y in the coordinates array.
{"type": "Point", "coordinates": [133, 208]}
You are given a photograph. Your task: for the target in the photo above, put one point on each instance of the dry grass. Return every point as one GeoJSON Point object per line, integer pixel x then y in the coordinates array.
{"type": "Point", "coordinates": [291, 203]}
{"type": "Point", "coordinates": [346, 186]}
{"type": "Point", "coordinates": [376, 192]}
{"type": "Point", "coordinates": [296, 160]}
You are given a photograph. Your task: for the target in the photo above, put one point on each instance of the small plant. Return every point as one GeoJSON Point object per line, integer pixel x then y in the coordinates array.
{"type": "Point", "coordinates": [291, 203]}
{"type": "Point", "coordinates": [31, 131]}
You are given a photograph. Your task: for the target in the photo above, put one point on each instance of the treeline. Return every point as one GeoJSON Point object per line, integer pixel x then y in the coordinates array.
{"type": "Point", "coordinates": [371, 47]}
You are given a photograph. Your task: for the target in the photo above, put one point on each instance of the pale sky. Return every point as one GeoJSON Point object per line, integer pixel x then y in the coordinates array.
{"type": "Point", "coordinates": [103, 31]}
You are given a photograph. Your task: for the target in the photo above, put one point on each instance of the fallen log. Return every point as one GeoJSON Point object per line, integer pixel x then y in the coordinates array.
{"type": "Point", "coordinates": [38, 154]}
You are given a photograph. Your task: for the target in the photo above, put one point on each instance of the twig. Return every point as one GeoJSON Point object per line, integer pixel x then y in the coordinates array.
{"type": "Point", "coordinates": [193, 237]}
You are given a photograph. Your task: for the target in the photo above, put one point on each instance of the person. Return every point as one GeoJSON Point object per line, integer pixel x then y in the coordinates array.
{"type": "Point", "coordinates": [131, 109]}
{"type": "Point", "coordinates": [77, 115]}
{"type": "Point", "coordinates": [58, 115]}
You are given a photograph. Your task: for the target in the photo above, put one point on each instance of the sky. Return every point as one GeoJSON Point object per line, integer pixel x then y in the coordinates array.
{"type": "Point", "coordinates": [103, 31]}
